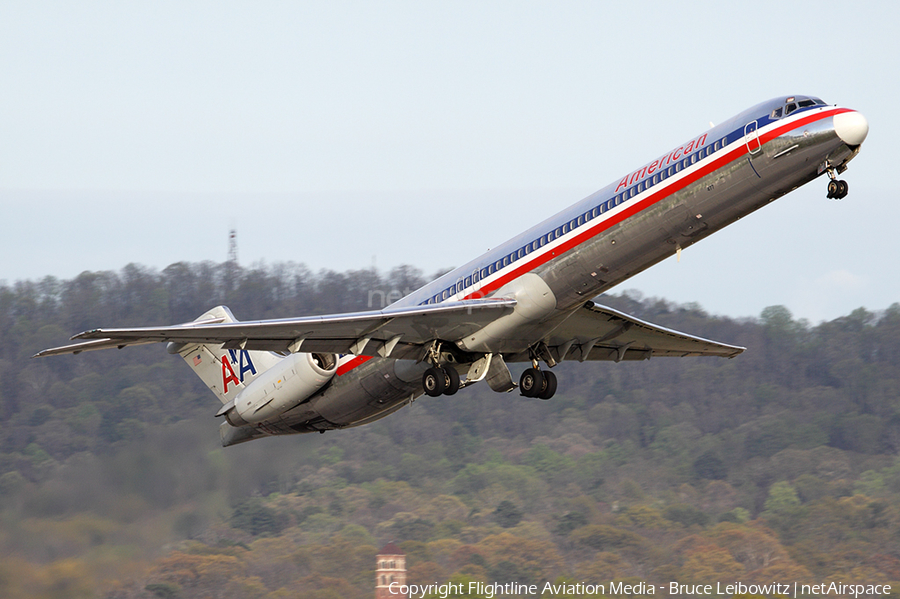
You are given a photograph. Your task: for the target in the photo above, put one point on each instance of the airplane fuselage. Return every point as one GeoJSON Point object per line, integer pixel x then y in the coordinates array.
{"type": "Point", "coordinates": [641, 218]}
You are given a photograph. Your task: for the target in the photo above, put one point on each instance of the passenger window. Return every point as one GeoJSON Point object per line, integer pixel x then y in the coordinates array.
{"type": "Point", "coordinates": [559, 231]}
{"type": "Point", "coordinates": [717, 147]}
{"type": "Point", "coordinates": [445, 294]}
{"type": "Point", "coordinates": [498, 265]}
{"type": "Point", "coordinates": [596, 212]}
{"type": "Point", "coordinates": [468, 282]}
{"type": "Point", "coordinates": [640, 186]}
{"type": "Point", "coordinates": [655, 179]}
{"type": "Point", "coordinates": [484, 272]}
{"type": "Point", "coordinates": [506, 261]}
{"type": "Point", "coordinates": [693, 159]}
{"type": "Point", "coordinates": [521, 253]}
{"type": "Point", "coordinates": [565, 228]}
{"type": "Point", "coordinates": [573, 224]}
{"type": "Point", "coordinates": [632, 192]}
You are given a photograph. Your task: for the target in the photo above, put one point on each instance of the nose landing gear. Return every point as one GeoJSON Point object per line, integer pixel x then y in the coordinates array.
{"type": "Point", "coordinates": [837, 189]}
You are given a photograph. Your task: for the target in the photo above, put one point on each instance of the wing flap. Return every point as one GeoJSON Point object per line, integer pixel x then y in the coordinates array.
{"type": "Point", "coordinates": [597, 332]}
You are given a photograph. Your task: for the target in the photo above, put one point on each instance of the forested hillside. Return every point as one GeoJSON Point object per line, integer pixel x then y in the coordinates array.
{"type": "Point", "coordinates": [779, 465]}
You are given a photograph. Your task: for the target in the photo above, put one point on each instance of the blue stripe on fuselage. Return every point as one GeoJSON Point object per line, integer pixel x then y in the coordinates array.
{"type": "Point", "coordinates": [590, 209]}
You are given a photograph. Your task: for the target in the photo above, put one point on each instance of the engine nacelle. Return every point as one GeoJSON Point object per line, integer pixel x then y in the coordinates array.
{"type": "Point", "coordinates": [282, 387]}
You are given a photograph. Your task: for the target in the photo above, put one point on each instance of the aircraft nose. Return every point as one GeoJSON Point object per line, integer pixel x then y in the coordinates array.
{"type": "Point", "coordinates": [851, 127]}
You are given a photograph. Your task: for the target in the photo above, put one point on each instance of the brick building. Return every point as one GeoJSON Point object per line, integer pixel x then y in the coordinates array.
{"type": "Point", "coordinates": [390, 566]}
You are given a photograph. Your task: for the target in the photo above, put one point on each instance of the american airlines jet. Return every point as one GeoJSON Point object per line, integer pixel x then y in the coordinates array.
{"type": "Point", "coordinates": [528, 300]}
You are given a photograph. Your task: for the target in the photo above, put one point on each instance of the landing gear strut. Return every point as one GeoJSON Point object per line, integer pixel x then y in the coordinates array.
{"type": "Point", "coordinates": [837, 189]}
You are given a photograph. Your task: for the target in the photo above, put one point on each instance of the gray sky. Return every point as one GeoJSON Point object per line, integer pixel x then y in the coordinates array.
{"type": "Point", "coordinates": [342, 133]}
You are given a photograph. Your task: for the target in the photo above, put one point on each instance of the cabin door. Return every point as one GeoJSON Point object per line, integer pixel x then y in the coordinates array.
{"type": "Point", "coordinates": [751, 137]}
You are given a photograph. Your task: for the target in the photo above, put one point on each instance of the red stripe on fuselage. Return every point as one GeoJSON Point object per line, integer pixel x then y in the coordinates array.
{"type": "Point", "coordinates": [644, 203]}
{"type": "Point", "coordinates": [351, 364]}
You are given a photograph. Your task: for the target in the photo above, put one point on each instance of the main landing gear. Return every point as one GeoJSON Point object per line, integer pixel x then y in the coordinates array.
{"type": "Point", "coordinates": [537, 383]}
{"type": "Point", "coordinates": [439, 380]}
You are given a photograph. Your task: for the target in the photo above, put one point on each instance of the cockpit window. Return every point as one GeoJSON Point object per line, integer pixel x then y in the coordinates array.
{"type": "Point", "coordinates": [805, 103]}
{"type": "Point", "coordinates": [789, 108]}
{"type": "Point", "coordinates": [776, 114]}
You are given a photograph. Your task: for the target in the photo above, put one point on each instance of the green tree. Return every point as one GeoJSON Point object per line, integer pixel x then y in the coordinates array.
{"type": "Point", "coordinates": [257, 519]}
{"type": "Point", "coordinates": [507, 514]}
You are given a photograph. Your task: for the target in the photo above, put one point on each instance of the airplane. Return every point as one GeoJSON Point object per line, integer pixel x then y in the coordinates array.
{"type": "Point", "coordinates": [528, 300]}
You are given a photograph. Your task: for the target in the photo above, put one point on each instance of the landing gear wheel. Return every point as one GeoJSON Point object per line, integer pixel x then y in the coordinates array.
{"type": "Point", "coordinates": [532, 382]}
{"type": "Point", "coordinates": [843, 188]}
{"type": "Point", "coordinates": [833, 189]}
{"type": "Point", "coordinates": [434, 381]}
{"type": "Point", "coordinates": [451, 379]}
{"type": "Point", "coordinates": [549, 386]}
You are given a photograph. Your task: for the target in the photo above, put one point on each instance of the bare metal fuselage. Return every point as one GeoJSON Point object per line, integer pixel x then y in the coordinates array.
{"type": "Point", "coordinates": [648, 215]}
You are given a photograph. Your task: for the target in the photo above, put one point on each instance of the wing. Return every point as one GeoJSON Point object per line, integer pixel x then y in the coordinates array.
{"type": "Point", "coordinates": [399, 333]}
{"type": "Point", "coordinates": [596, 332]}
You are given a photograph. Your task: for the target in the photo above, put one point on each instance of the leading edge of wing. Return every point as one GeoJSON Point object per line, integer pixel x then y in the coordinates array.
{"type": "Point", "coordinates": [338, 333]}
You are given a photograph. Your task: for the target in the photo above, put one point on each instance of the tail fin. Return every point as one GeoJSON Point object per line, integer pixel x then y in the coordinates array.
{"type": "Point", "coordinates": [225, 371]}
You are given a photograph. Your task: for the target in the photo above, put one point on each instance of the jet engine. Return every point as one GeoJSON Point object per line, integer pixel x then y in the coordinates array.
{"type": "Point", "coordinates": [285, 385]}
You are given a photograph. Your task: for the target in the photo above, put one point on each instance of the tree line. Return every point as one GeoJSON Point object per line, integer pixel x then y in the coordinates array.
{"type": "Point", "coordinates": [779, 463]}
